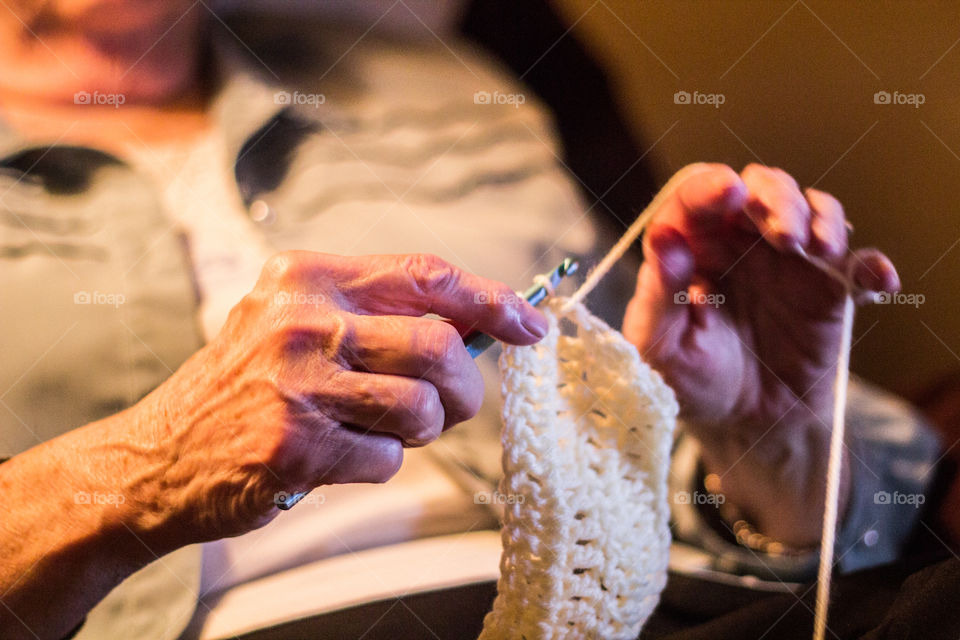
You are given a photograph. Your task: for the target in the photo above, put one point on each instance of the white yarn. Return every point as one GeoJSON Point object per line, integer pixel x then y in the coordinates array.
{"type": "Point", "coordinates": [587, 434]}
{"type": "Point", "coordinates": [634, 230]}
{"type": "Point", "coordinates": [831, 506]}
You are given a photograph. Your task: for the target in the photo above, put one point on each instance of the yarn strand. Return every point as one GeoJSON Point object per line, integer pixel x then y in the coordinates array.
{"type": "Point", "coordinates": [831, 506]}
{"type": "Point", "coordinates": [632, 233]}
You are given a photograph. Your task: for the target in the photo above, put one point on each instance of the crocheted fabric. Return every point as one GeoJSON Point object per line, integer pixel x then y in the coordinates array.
{"type": "Point", "coordinates": [587, 433]}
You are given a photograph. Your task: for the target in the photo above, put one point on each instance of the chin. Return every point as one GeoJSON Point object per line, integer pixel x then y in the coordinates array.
{"type": "Point", "coordinates": [145, 61]}
{"type": "Point", "coordinates": [151, 63]}
{"type": "Point", "coordinates": [158, 79]}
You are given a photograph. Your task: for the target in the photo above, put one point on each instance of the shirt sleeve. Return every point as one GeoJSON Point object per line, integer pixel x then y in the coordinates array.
{"type": "Point", "coordinates": [893, 454]}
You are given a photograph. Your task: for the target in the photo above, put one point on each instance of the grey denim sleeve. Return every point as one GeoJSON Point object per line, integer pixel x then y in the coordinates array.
{"type": "Point", "coordinates": [893, 454]}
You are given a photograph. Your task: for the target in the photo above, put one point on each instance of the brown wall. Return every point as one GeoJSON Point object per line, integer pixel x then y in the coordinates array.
{"type": "Point", "coordinates": [799, 80]}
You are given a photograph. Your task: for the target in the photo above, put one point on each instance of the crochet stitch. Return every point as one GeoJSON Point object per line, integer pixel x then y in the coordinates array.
{"type": "Point", "coordinates": [587, 432]}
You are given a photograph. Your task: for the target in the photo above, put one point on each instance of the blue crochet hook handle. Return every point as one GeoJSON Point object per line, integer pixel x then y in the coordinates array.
{"type": "Point", "coordinates": [476, 343]}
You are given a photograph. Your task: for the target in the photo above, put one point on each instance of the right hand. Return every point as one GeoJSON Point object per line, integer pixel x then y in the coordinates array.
{"type": "Point", "coordinates": [320, 376]}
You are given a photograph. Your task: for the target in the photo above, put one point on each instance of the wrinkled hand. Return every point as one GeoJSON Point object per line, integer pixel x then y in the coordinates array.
{"type": "Point", "coordinates": [321, 375]}
{"type": "Point", "coordinates": [744, 329]}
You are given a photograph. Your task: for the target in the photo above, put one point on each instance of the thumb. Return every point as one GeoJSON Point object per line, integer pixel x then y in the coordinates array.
{"type": "Point", "coordinates": [659, 312]}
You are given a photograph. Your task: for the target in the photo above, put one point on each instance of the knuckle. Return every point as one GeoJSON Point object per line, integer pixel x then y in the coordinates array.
{"type": "Point", "coordinates": [330, 335]}
{"type": "Point", "coordinates": [720, 171]}
{"type": "Point", "coordinates": [391, 459]}
{"type": "Point", "coordinates": [425, 403]}
{"type": "Point", "coordinates": [441, 344]}
{"type": "Point", "coordinates": [785, 183]}
{"type": "Point", "coordinates": [428, 414]}
{"type": "Point", "coordinates": [464, 400]}
{"type": "Point", "coordinates": [278, 265]}
{"type": "Point", "coordinates": [287, 266]}
{"type": "Point", "coordinates": [249, 306]}
{"type": "Point", "coordinates": [431, 273]}
{"type": "Point", "coordinates": [763, 172]}
{"type": "Point", "coordinates": [784, 176]}
{"type": "Point", "coordinates": [474, 396]}
{"type": "Point", "coordinates": [824, 200]}
{"type": "Point", "coordinates": [472, 401]}
{"type": "Point", "coordinates": [716, 168]}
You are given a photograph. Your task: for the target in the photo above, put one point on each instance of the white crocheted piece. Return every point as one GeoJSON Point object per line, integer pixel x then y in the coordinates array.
{"type": "Point", "coordinates": [587, 433]}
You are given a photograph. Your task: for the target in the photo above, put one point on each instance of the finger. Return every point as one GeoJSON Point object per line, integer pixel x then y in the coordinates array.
{"type": "Point", "coordinates": [350, 455]}
{"type": "Point", "coordinates": [704, 207]}
{"type": "Point", "coordinates": [657, 315]}
{"type": "Point", "coordinates": [828, 227]}
{"type": "Point", "coordinates": [777, 207]}
{"type": "Point", "coordinates": [874, 271]}
{"type": "Point", "coordinates": [418, 284]}
{"type": "Point", "coordinates": [420, 348]}
{"type": "Point", "coordinates": [405, 407]}
{"type": "Point", "coordinates": [704, 194]}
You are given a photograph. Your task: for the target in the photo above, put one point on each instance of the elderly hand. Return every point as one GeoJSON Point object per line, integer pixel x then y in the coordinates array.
{"type": "Point", "coordinates": [321, 375]}
{"type": "Point", "coordinates": [747, 331]}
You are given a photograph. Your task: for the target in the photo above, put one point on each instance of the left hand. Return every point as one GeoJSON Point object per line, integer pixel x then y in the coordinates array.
{"type": "Point", "coordinates": [747, 331]}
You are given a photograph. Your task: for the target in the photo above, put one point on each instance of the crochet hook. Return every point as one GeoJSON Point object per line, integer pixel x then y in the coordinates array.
{"type": "Point", "coordinates": [476, 343]}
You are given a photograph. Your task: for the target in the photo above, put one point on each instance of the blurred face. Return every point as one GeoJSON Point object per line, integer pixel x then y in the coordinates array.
{"type": "Point", "coordinates": [146, 50]}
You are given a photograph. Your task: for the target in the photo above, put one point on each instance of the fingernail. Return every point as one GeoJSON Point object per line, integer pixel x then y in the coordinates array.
{"type": "Point", "coordinates": [535, 323]}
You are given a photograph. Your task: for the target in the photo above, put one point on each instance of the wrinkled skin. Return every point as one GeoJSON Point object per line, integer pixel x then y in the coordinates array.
{"type": "Point", "coordinates": [322, 375]}
{"type": "Point", "coordinates": [754, 374]}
